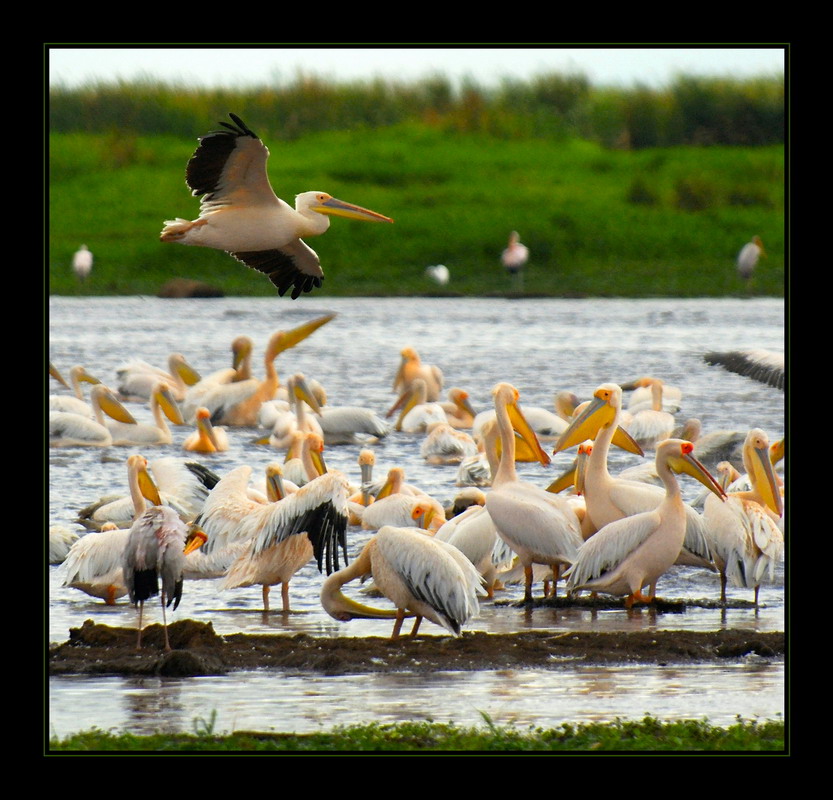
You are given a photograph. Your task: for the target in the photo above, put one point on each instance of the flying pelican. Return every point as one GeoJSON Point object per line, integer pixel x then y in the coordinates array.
{"type": "Point", "coordinates": [73, 430]}
{"type": "Point", "coordinates": [94, 563]}
{"type": "Point", "coordinates": [764, 366]}
{"type": "Point", "coordinates": [458, 408]}
{"type": "Point", "coordinates": [539, 526]}
{"type": "Point", "coordinates": [417, 412]}
{"type": "Point", "coordinates": [163, 406]}
{"type": "Point", "coordinates": [445, 444]}
{"type": "Point", "coordinates": [609, 498]}
{"type": "Point", "coordinates": [411, 368]}
{"type": "Point", "coordinates": [240, 213]}
{"type": "Point", "coordinates": [418, 574]}
{"type": "Point", "coordinates": [74, 404]}
{"type": "Point", "coordinates": [82, 263]}
{"type": "Point", "coordinates": [748, 257]}
{"type": "Point", "coordinates": [282, 536]}
{"type": "Point", "coordinates": [137, 379]}
{"type": "Point", "coordinates": [631, 553]}
{"type": "Point", "coordinates": [157, 545]}
{"type": "Point", "coordinates": [207, 438]}
{"type": "Point", "coordinates": [649, 426]}
{"type": "Point", "coordinates": [744, 533]}
{"type": "Point", "coordinates": [238, 403]}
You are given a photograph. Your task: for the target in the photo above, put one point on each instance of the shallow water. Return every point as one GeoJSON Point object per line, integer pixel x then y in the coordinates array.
{"type": "Point", "coordinates": [542, 346]}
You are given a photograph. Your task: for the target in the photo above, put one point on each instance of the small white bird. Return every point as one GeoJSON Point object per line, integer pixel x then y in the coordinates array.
{"type": "Point", "coordinates": [748, 257]}
{"type": "Point", "coordinates": [438, 273]}
{"type": "Point", "coordinates": [82, 263]}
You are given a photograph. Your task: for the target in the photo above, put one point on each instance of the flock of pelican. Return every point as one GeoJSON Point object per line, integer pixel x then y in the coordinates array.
{"type": "Point", "coordinates": [590, 529]}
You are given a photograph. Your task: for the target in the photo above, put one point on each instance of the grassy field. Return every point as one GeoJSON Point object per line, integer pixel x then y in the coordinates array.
{"type": "Point", "coordinates": [598, 222]}
{"type": "Point", "coordinates": [647, 735]}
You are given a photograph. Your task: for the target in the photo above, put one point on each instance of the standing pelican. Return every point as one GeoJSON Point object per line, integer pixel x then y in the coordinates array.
{"type": "Point", "coordinates": [156, 548]}
{"type": "Point", "coordinates": [411, 368]}
{"type": "Point", "coordinates": [537, 525]}
{"type": "Point", "coordinates": [82, 263]}
{"type": "Point", "coordinates": [514, 258]}
{"type": "Point", "coordinates": [240, 213]}
{"type": "Point", "coordinates": [634, 552]}
{"type": "Point", "coordinates": [744, 533]}
{"type": "Point", "coordinates": [417, 573]}
{"type": "Point", "coordinates": [748, 257]}
{"type": "Point", "coordinates": [238, 403]}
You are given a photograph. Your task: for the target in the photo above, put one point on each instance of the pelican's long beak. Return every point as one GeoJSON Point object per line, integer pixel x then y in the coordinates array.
{"type": "Point", "coordinates": [387, 486]}
{"type": "Point", "coordinates": [338, 208]}
{"type": "Point", "coordinates": [147, 487]}
{"type": "Point", "coordinates": [302, 392]}
{"type": "Point", "coordinates": [296, 335]}
{"type": "Point", "coordinates": [343, 608]}
{"type": "Point", "coordinates": [197, 537]}
{"type": "Point", "coordinates": [464, 404]}
{"type": "Point", "coordinates": [57, 375]}
{"type": "Point", "coordinates": [623, 440]}
{"type": "Point", "coordinates": [188, 374]}
{"type": "Point", "coordinates": [764, 480]}
{"type": "Point", "coordinates": [564, 481]}
{"type": "Point", "coordinates": [274, 483]}
{"type": "Point", "coordinates": [316, 454]}
{"type": "Point", "coordinates": [519, 423]}
{"type": "Point", "coordinates": [169, 405]}
{"type": "Point", "coordinates": [113, 408]}
{"type": "Point", "coordinates": [687, 463]}
{"type": "Point", "coordinates": [207, 429]}
{"type": "Point", "coordinates": [598, 414]}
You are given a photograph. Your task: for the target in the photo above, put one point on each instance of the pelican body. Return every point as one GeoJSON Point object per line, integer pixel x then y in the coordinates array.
{"type": "Point", "coordinates": [240, 213]}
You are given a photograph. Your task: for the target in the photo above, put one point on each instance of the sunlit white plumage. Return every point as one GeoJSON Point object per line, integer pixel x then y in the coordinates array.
{"type": "Point", "coordinates": [163, 407]}
{"type": "Point", "coordinates": [240, 213]}
{"type": "Point", "coordinates": [74, 430]}
{"type": "Point", "coordinates": [82, 263]}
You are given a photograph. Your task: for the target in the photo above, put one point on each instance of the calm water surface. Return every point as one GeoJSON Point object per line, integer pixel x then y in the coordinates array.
{"type": "Point", "coordinates": [541, 346]}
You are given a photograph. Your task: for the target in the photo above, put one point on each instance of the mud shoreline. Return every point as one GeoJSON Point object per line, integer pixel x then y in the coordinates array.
{"type": "Point", "coordinates": [198, 651]}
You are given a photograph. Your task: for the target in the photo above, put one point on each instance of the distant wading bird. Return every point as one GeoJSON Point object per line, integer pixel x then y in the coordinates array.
{"type": "Point", "coordinates": [748, 257]}
{"type": "Point", "coordinates": [240, 213]}
{"type": "Point", "coordinates": [514, 258]}
{"type": "Point", "coordinates": [82, 263]}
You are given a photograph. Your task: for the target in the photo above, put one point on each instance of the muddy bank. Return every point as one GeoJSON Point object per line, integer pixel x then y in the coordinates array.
{"type": "Point", "coordinates": [198, 650]}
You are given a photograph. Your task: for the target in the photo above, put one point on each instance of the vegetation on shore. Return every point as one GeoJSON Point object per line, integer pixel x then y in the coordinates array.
{"type": "Point", "coordinates": [646, 735]}
{"type": "Point", "coordinates": [603, 213]}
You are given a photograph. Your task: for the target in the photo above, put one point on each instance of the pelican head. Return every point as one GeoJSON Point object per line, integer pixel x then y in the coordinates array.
{"type": "Point", "coordinates": [185, 371]}
{"type": "Point", "coordinates": [460, 398]}
{"type": "Point", "coordinates": [757, 240]}
{"type": "Point", "coordinates": [756, 459]}
{"type": "Point", "coordinates": [241, 349]}
{"type": "Point", "coordinates": [301, 392]}
{"type": "Point", "coordinates": [677, 453]}
{"type": "Point", "coordinates": [274, 483]}
{"type": "Point", "coordinates": [323, 203]}
{"type": "Point", "coordinates": [507, 396]}
{"type": "Point", "coordinates": [195, 539]}
{"type": "Point", "coordinates": [393, 484]}
{"type": "Point", "coordinates": [138, 466]}
{"type": "Point", "coordinates": [163, 396]}
{"type": "Point", "coordinates": [205, 427]}
{"type": "Point", "coordinates": [105, 399]}
{"type": "Point", "coordinates": [367, 460]}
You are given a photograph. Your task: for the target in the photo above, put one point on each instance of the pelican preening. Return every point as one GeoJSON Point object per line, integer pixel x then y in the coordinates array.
{"type": "Point", "coordinates": [82, 263]}
{"type": "Point", "coordinates": [240, 213]}
{"type": "Point", "coordinates": [764, 366]}
{"type": "Point", "coordinates": [627, 555]}
{"type": "Point", "coordinates": [748, 257]}
{"type": "Point", "coordinates": [420, 575]}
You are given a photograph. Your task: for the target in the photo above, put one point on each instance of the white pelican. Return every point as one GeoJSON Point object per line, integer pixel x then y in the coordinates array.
{"type": "Point", "coordinates": [157, 545]}
{"type": "Point", "coordinates": [609, 498]}
{"type": "Point", "coordinates": [282, 536]}
{"type": "Point", "coordinates": [438, 273]}
{"type": "Point", "coordinates": [539, 526]}
{"type": "Point", "coordinates": [240, 213]}
{"type": "Point", "coordinates": [238, 403]}
{"type": "Point", "coordinates": [395, 503]}
{"type": "Point", "coordinates": [444, 444]}
{"type": "Point", "coordinates": [74, 404]}
{"type": "Point", "coordinates": [642, 395]}
{"type": "Point", "coordinates": [418, 574]}
{"type": "Point", "coordinates": [515, 256]}
{"type": "Point", "coordinates": [546, 424]}
{"type": "Point", "coordinates": [417, 413]}
{"type": "Point", "coordinates": [207, 438]}
{"type": "Point", "coordinates": [744, 533]}
{"type": "Point", "coordinates": [363, 497]}
{"type": "Point", "coordinates": [304, 460]}
{"type": "Point", "coordinates": [764, 366]}
{"type": "Point", "coordinates": [163, 406]}
{"type": "Point", "coordinates": [351, 425]}
{"type": "Point", "coordinates": [94, 563]}
{"type": "Point", "coordinates": [748, 257]}
{"type": "Point", "coordinates": [82, 263]}
{"type": "Point", "coordinates": [411, 368]}
{"type": "Point", "coordinates": [458, 408]}
{"type": "Point", "coordinates": [136, 380]}
{"type": "Point", "coordinates": [73, 430]}
{"type": "Point", "coordinates": [649, 426]}
{"type": "Point", "coordinates": [631, 553]}
{"type": "Point", "coordinates": [240, 370]}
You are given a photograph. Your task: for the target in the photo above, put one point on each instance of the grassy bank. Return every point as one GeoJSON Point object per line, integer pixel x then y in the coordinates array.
{"type": "Point", "coordinates": [651, 222]}
{"type": "Point", "coordinates": [647, 735]}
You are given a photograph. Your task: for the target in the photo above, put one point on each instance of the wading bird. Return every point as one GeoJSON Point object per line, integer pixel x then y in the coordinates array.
{"type": "Point", "coordinates": [240, 213]}
{"type": "Point", "coordinates": [82, 263]}
{"type": "Point", "coordinates": [748, 257]}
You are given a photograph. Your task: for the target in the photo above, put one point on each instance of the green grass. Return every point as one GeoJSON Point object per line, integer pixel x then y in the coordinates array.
{"type": "Point", "coordinates": [654, 222]}
{"type": "Point", "coordinates": [647, 735]}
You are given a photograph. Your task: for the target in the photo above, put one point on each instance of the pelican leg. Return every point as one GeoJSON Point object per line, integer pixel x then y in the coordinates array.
{"type": "Point", "coordinates": [111, 595]}
{"type": "Point", "coordinates": [139, 636]}
{"type": "Point", "coordinates": [417, 621]}
{"type": "Point", "coordinates": [722, 587]}
{"type": "Point", "coordinates": [556, 574]}
{"type": "Point", "coordinates": [165, 625]}
{"type": "Point", "coordinates": [397, 625]}
{"type": "Point", "coordinates": [528, 584]}
{"type": "Point", "coordinates": [265, 593]}
{"type": "Point", "coordinates": [757, 589]}
{"type": "Point", "coordinates": [285, 596]}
